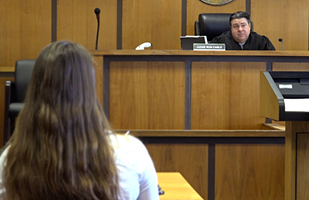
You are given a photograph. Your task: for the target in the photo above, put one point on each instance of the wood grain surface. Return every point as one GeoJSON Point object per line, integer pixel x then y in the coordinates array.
{"type": "Point", "coordinates": [302, 166]}
{"type": "Point", "coordinates": [290, 66]}
{"type": "Point", "coordinates": [283, 15]}
{"type": "Point", "coordinates": [98, 67]}
{"type": "Point", "coordinates": [176, 187]}
{"type": "Point", "coordinates": [225, 95]}
{"type": "Point", "coordinates": [25, 29]}
{"type": "Point", "coordinates": [248, 171]}
{"type": "Point", "coordinates": [76, 21]}
{"type": "Point", "coordinates": [155, 52]}
{"type": "Point", "coordinates": [147, 95]}
{"type": "Point", "coordinates": [296, 160]}
{"type": "Point", "coordinates": [191, 160]}
{"type": "Point", "coordinates": [158, 22]}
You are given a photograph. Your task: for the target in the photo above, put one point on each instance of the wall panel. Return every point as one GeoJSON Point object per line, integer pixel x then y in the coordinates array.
{"type": "Point", "coordinates": [98, 67]}
{"type": "Point", "coordinates": [141, 91]}
{"type": "Point", "coordinates": [35, 27]}
{"type": "Point", "coordinates": [286, 19]}
{"type": "Point", "coordinates": [225, 95]}
{"type": "Point", "coordinates": [249, 171]}
{"type": "Point", "coordinates": [25, 29]}
{"type": "Point", "coordinates": [10, 32]}
{"type": "Point", "coordinates": [290, 66]}
{"type": "Point", "coordinates": [302, 175]}
{"type": "Point", "coordinates": [76, 21]}
{"type": "Point", "coordinates": [191, 160]}
{"type": "Point", "coordinates": [158, 22]}
{"type": "Point", "coordinates": [27, 24]}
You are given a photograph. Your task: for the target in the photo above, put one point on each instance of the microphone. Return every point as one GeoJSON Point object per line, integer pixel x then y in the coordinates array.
{"type": "Point", "coordinates": [97, 13]}
{"type": "Point", "coordinates": [281, 40]}
{"type": "Point", "coordinates": [143, 46]}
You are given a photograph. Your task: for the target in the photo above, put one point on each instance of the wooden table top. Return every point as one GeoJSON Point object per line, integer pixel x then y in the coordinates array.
{"type": "Point", "coordinates": [176, 187]}
{"type": "Point", "coordinates": [178, 52]}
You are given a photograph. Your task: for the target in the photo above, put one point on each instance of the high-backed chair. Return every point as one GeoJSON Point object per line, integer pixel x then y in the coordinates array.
{"type": "Point", "coordinates": [212, 24]}
{"type": "Point", "coordinates": [15, 92]}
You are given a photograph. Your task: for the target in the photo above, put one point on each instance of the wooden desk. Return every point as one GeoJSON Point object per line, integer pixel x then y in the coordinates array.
{"type": "Point", "coordinates": [176, 187]}
{"type": "Point", "coordinates": [168, 89]}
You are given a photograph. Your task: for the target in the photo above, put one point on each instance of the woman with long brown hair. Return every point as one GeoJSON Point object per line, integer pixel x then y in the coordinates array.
{"type": "Point", "coordinates": [63, 147]}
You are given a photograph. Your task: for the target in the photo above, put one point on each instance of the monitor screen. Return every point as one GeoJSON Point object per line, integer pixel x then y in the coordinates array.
{"type": "Point", "coordinates": [188, 41]}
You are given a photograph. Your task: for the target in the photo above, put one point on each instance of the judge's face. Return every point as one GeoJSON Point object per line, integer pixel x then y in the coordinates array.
{"type": "Point", "coordinates": [240, 29]}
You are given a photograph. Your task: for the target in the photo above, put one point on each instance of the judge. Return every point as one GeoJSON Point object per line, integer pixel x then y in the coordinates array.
{"type": "Point", "coordinates": [240, 36]}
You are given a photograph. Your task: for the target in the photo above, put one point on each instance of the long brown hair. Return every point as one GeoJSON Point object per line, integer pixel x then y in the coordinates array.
{"type": "Point", "coordinates": [60, 148]}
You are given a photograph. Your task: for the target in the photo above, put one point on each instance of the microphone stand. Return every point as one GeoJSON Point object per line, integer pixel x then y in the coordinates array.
{"type": "Point", "coordinates": [281, 40]}
{"type": "Point", "coordinates": [97, 13]}
{"type": "Point", "coordinates": [97, 39]}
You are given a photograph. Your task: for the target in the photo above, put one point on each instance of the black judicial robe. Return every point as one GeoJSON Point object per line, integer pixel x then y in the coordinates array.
{"type": "Point", "coordinates": [254, 42]}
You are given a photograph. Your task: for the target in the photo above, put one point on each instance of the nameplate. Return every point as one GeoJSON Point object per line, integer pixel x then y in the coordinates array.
{"type": "Point", "coordinates": [208, 47]}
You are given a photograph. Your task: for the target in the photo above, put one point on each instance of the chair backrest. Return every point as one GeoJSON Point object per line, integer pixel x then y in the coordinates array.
{"type": "Point", "coordinates": [23, 72]}
{"type": "Point", "coordinates": [212, 24]}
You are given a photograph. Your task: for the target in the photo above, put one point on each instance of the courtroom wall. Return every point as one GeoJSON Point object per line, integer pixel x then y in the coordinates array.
{"type": "Point", "coordinates": [27, 26]}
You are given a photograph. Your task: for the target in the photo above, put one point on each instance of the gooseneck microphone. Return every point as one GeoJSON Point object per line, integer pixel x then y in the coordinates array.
{"type": "Point", "coordinates": [97, 13]}
{"type": "Point", "coordinates": [281, 40]}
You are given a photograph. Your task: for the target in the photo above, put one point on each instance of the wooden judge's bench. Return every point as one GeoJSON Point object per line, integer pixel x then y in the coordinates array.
{"type": "Point", "coordinates": [198, 113]}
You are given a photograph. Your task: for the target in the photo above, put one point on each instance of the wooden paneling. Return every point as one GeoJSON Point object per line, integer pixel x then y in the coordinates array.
{"type": "Point", "coordinates": [295, 157]}
{"type": "Point", "coordinates": [26, 25]}
{"type": "Point", "coordinates": [242, 171]}
{"type": "Point", "coordinates": [286, 19]}
{"type": "Point", "coordinates": [98, 67]}
{"type": "Point", "coordinates": [147, 95]}
{"type": "Point", "coordinates": [290, 159]}
{"type": "Point", "coordinates": [25, 29]}
{"type": "Point", "coordinates": [76, 21]}
{"type": "Point", "coordinates": [158, 22]}
{"type": "Point", "coordinates": [252, 172]}
{"type": "Point", "coordinates": [195, 7]}
{"type": "Point", "coordinates": [290, 66]}
{"type": "Point", "coordinates": [35, 27]}
{"type": "Point", "coordinates": [191, 160]}
{"type": "Point", "coordinates": [226, 95]}
{"type": "Point", "coordinates": [10, 33]}
{"type": "Point", "coordinates": [268, 131]}
{"type": "Point", "coordinates": [302, 166]}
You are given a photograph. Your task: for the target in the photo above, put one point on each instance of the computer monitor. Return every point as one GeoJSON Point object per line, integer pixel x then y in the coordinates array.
{"type": "Point", "coordinates": [188, 41]}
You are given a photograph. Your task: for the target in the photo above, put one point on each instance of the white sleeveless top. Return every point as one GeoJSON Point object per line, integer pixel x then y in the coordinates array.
{"type": "Point", "coordinates": [137, 175]}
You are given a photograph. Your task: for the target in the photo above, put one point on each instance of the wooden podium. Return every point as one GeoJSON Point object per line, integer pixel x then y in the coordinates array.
{"type": "Point", "coordinates": [275, 89]}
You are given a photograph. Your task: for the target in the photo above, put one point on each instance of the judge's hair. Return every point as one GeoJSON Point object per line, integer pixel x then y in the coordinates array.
{"type": "Point", "coordinates": [240, 14]}
{"type": "Point", "coordinates": [60, 148]}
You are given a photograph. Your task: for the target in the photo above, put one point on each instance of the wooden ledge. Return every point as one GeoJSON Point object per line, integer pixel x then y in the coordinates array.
{"type": "Point", "coordinates": [7, 69]}
{"type": "Point", "coordinates": [175, 52]}
{"type": "Point", "coordinates": [275, 126]}
{"type": "Point", "coordinates": [204, 133]}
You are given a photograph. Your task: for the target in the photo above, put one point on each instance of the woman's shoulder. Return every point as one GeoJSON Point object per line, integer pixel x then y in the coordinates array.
{"type": "Point", "coordinates": [127, 141]}
{"type": "Point", "coordinates": [131, 152]}
{"type": "Point", "coordinates": [3, 154]}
